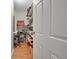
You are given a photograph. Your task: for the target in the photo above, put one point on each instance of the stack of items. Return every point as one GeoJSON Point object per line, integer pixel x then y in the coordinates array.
{"type": "Point", "coordinates": [29, 26]}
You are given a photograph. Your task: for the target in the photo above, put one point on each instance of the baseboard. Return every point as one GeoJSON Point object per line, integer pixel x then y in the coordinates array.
{"type": "Point", "coordinates": [12, 52]}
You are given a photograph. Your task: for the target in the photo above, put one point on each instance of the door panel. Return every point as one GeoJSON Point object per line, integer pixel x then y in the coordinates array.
{"type": "Point", "coordinates": [58, 47]}
{"type": "Point", "coordinates": [34, 17]}
{"type": "Point", "coordinates": [37, 48]}
{"type": "Point", "coordinates": [39, 18]}
{"type": "Point", "coordinates": [53, 56]}
{"type": "Point", "coordinates": [46, 17]}
{"type": "Point", "coordinates": [52, 47]}
{"type": "Point", "coordinates": [37, 53]}
{"type": "Point", "coordinates": [58, 18]}
{"type": "Point", "coordinates": [49, 22]}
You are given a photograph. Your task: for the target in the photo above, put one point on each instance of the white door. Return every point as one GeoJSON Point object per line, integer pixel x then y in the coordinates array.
{"type": "Point", "coordinates": [50, 27]}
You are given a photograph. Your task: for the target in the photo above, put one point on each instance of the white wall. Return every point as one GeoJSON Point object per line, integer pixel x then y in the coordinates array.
{"type": "Point", "coordinates": [12, 14]}
{"type": "Point", "coordinates": [22, 16]}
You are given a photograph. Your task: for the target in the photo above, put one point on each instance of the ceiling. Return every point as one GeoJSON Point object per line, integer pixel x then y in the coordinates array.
{"type": "Point", "coordinates": [22, 5]}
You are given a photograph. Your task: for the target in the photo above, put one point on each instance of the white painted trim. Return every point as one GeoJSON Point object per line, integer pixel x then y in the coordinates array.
{"type": "Point", "coordinates": [59, 39]}
{"type": "Point", "coordinates": [12, 52]}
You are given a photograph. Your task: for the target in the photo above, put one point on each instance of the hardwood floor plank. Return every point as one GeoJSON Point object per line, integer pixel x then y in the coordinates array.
{"type": "Point", "coordinates": [23, 52]}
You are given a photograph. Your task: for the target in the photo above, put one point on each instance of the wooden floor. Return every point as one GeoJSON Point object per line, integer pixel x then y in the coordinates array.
{"type": "Point", "coordinates": [23, 52]}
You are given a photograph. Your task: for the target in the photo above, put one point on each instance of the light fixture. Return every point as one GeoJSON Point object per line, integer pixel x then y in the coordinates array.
{"type": "Point", "coordinates": [20, 1]}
